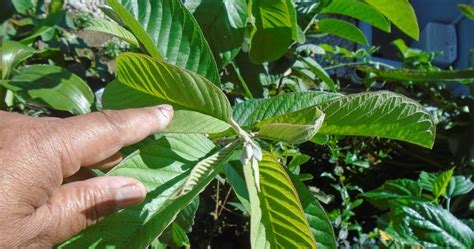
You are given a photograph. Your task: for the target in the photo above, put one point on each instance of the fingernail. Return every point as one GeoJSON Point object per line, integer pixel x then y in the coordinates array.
{"type": "Point", "coordinates": [167, 112]}
{"type": "Point", "coordinates": [129, 194]}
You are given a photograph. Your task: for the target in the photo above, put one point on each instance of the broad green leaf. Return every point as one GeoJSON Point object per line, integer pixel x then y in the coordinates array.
{"type": "Point", "coordinates": [274, 28]}
{"type": "Point", "coordinates": [223, 24]}
{"type": "Point", "coordinates": [171, 84]}
{"type": "Point", "coordinates": [13, 53]}
{"type": "Point", "coordinates": [431, 226]}
{"type": "Point", "coordinates": [176, 33]}
{"type": "Point", "coordinates": [358, 10]}
{"type": "Point", "coordinates": [249, 113]}
{"type": "Point", "coordinates": [53, 87]}
{"type": "Point", "coordinates": [118, 96]}
{"type": "Point", "coordinates": [459, 185]}
{"type": "Point", "coordinates": [342, 29]}
{"type": "Point", "coordinates": [25, 7]}
{"type": "Point", "coordinates": [175, 236]}
{"type": "Point", "coordinates": [102, 25]}
{"type": "Point", "coordinates": [394, 191]}
{"type": "Point", "coordinates": [294, 127]}
{"type": "Point", "coordinates": [48, 24]}
{"type": "Point", "coordinates": [318, 220]}
{"type": "Point", "coordinates": [380, 114]}
{"type": "Point", "coordinates": [235, 177]}
{"type": "Point", "coordinates": [55, 6]}
{"type": "Point", "coordinates": [277, 219]}
{"type": "Point", "coordinates": [163, 167]}
{"type": "Point", "coordinates": [441, 183]}
{"type": "Point", "coordinates": [467, 10]}
{"type": "Point", "coordinates": [400, 13]}
{"type": "Point", "coordinates": [416, 76]}
{"type": "Point", "coordinates": [318, 70]}
{"type": "Point", "coordinates": [136, 28]}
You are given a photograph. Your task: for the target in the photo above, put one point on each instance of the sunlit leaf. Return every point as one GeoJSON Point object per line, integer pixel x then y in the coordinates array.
{"type": "Point", "coordinates": [342, 29]}
{"type": "Point", "coordinates": [102, 25]}
{"type": "Point", "coordinates": [13, 53]}
{"type": "Point", "coordinates": [277, 219]}
{"type": "Point", "coordinates": [415, 76]}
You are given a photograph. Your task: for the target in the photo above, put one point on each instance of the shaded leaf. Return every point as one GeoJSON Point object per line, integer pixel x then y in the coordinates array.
{"type": "Point", "coordinates": [135, 27]}
{"type": "Point", "coordinates": [431, 226]}
{"type": "Point", "coordinates": [276, 216]}
{"type": "Point", "coordinates": [358, 10]}
{"type": "Point", "coordinates": [318, 220]}
{"type": "Point", "coordinates": [342, 29]}
{"type": "Point", "coordinates": [459, 185]}
{"type": "Point", "coordinates": [271, 19]}
{"type": "Point", "coordinates": [45, 26]}
{"type": "Point", "coordinates": [223, 24]}
{"type": "Point", "coordinates": [400, 13]}
{"type": "Point", "coordinates": [53, 87]}
{"type": "Point", "coordinates": [394, 191]}
{"type": "Point", "coordinates": [318, 70]}
{"type": "Point", "coordinates": [102, 25]}
{"type": "Point", "coordinates": [421, 76]}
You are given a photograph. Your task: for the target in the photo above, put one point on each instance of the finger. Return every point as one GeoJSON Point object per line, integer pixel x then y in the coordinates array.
{"type": "Point", "coordinates": [77, 205]}
{"type": "Point", "coordinates": [109, 163]}
{"type": "Point", "coordinates": [91, 138]}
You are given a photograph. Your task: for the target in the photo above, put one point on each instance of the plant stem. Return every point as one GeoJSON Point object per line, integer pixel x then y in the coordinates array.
{"type": "Point", "coordinates": [448, 203]}
{"type": "Point", "coordinates": [246, 89]}
{"type": "Point", "coordinates": [3, 93]}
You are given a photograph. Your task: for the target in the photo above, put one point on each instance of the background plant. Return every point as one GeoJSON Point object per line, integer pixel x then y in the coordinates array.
{"type": "Point", "coordinates": [211, 61]}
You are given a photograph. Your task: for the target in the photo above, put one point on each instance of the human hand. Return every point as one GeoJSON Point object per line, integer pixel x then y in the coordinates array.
{"type": "Point", "coordinates": [37, 154]}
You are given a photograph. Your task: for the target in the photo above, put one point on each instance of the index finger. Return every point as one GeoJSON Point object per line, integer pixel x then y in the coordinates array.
{"type": "Point", "coordinates": [91, 138]}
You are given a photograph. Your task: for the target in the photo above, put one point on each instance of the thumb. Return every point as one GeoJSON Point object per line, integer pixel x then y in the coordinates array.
{"type": "Point", "coordinates": [75, 206]}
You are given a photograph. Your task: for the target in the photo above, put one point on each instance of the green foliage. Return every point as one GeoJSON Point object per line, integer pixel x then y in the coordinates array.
{"type": "Point", "coordinates": [270, 19]}
{"type": "Point", "coordinates": [360, 11]}
{"type": "Point", "coordinates": [343, 29]}
{"type": "Point", "coordinates": [178, 50]}
{"type": "Point", "coordinates": [53, 87]}
{"type": "Point", "coordinates": [400, 13]}
{"type": "Point", "coordinates": [467, 10]}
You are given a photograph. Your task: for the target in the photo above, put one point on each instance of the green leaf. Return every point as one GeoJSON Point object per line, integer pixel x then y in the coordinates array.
{"type": "Point", "coordinates": [171, 84]}
{"type": "Point", "coordinates": [175, 236]}
{"type": "Point", "coordinates": [318, 220]}
{"type": "Point", "coordinates": [358, 10]}
{"type": "Point", "coordinates": [176, 33]}
{"type": "Point", "coordinates": [118, 96]}
{"type": "Point", "coordinates": [441, 183]}
{"type": "Point", "coordinates": [13, 53]}
{"type": "Point", "coordinates": [163, 167]}
{"type": "Point", "coordinates": [318, 70]}
{"type": "Point", "coordinates": [432, 226]}
{"type": "Point", "coordinates": [270, 20]}
{"type": "Point", "coordinates": [276, 216]}
{"type": "Point", "coordinates": [294, 127]}
{"type": "Point", "coordinates": [249, 113]}
{"type": "Point", "coordinates": [417, 76]}
{"type": "Point", "coordinates": [393, 191]}
{"type": "Point", "coordinates": [467, 10]}
{"type": "Point", "coordinates": [135, 27]}
{"type": "Point", "coordinates": [400, 13]}
{"type": "Point", "coordinates": [48, 24]}
{"type": "Point", "coordinates": [223, 24]}
{"type": "Point", "coordinates": [235, 177]}
{"type": "Point", "coordinates": [102, 25]}
{"type": "Point", "coordinates": [342, 29]}
{"type": "Point", "coordinates": [53, 87]}
{"type": "Point", "coordinates": [25, 7]}
{"type": "Point", "coordinates": [459, 185]}
{"type": "Point", "coordinates": [380, 114]}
